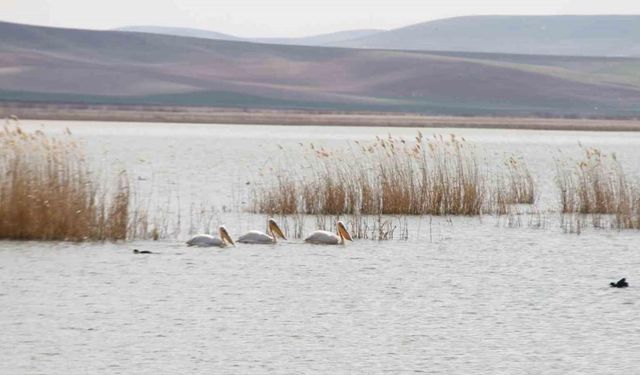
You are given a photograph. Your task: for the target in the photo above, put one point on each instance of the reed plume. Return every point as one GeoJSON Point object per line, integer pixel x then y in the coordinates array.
{"type": "Point", "coordinates": [47, 192]}
{"type": "Point", "coordinates": [394, 176]}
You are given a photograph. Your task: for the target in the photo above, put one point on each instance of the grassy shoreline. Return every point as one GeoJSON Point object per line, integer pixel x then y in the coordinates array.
{"type": "Point", "coordinates": [210, 115]}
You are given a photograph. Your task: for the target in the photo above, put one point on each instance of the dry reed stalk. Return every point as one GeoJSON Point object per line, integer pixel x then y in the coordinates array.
{"type": "Point", "coordinates": [281, 200]}
{"type": "Point", "coordinates": [391, 176]}
{"type": "Point", "coordinates": [598, 186]}
{"type": "Point", "coordinates": [48, 193]}
{"type": "Point", "coordinates": [521, 185]}
{"type": "Point", "coordinates": [292, 225]}
{"type": "Point", "coordinates": [514, 185]}
{"type": "Point", "coordinates": [375, 227]}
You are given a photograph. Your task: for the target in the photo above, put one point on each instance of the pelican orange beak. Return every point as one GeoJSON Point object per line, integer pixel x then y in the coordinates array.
{"type": "Point", "coordinates": [275, 229]}
{"type": "Point", "coordinates": [342, 231]}
{"type": "Point", "coordinates": [224, 235]}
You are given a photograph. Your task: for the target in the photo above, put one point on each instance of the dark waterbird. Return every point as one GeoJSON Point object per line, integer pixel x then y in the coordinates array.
{"type": "Point", "coordinates": [622, 283]}
{"type": "Point", "coordinates": [136, 251]}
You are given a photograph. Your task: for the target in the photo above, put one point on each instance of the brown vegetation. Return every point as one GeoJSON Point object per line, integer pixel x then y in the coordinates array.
{"type": "Point", "coordinates": [47, 192]}
{"type": "Point", "coordinates": [597, 185]}
{"type": "Point", "coordinates": [392, 176]}
{"type": "Point", "coordinates": [514, 185]}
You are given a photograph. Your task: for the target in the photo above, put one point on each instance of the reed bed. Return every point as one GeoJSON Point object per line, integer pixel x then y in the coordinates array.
{"type": "Point", "coordinates": [598, 186]}
{"type": "Point", "coordinates": [393, 176]}
{"type": "Point", "coordinates": [514, 185]}
{"type": "Point", "coordinates": [47, 192]}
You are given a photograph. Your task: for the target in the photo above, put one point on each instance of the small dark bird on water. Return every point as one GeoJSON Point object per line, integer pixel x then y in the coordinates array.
{"type": "Point", "coordinates": [136, 251]}
{"type": "Point", "coordinates": [622, 283]}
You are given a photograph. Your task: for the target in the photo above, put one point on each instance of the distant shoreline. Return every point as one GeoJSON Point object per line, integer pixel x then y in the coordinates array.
{"type": "Point", "coordinates": [209, 115]}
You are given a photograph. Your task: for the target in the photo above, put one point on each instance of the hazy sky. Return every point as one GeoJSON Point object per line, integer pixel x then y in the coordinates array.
{"type": "Point", "coordinates": [283, 17]}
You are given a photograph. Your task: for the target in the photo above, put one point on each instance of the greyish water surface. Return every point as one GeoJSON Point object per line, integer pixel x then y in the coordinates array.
{"type": "Point", "coordinates": [460, 296]}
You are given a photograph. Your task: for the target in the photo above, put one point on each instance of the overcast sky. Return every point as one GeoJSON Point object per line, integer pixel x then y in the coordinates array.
{"type": "Point", "coordinates": [272, 18]}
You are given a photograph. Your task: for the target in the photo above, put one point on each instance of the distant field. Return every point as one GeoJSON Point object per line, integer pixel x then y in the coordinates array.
{"type": "Point", "coordinates": [295, 117]}
{"type": "Point", "coordinates": [53, 65]}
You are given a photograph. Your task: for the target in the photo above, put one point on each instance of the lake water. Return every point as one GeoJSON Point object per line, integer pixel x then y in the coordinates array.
{"type": "Point", "coordinates": [459, 296]}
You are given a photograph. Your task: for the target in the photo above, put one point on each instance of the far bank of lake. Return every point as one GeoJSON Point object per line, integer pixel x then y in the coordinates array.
{"type": "Point", "coordinates": [213, 115]}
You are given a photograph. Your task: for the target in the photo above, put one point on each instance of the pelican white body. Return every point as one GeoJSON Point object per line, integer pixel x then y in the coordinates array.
{"type": "Point", "coordinates": [257, 237]}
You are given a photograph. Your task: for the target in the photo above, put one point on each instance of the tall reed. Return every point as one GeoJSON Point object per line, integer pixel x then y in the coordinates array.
{"type": "Point", "coordinates": [514, 185]}
{"type": "Point", "coordinates": [597, 185]}
{"type": "Point", "coordinates": [47, 191]}
{"type": "Point", "coordinates": [393, 176]}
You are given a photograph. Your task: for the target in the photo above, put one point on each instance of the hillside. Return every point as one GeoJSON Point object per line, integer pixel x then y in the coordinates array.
{"type": "Point", "coordinates": [314, 40]}
{"type": "Point", "coordinates": [81, 66]}
{"type": "Point", "coordinates": [329, 39]}
{"type": "Point", "coordinates": [612, 36]}
{"type": "Point", "coordinates": [179, 31]}
{"type": "Point", "coordinates": [544, 35]}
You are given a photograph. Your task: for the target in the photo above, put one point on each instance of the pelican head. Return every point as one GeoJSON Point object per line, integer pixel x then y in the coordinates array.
{"type": "Point", "coordinates": [275, 229]}
{"type": "Point", "coordinates": [342, 231]}
{"type": "Point", "coordinates": [224, 235]}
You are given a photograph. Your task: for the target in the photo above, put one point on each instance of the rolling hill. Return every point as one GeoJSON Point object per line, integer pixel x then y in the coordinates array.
{"type": "Point", "coordinates": [82, 66]}
{"type": "Point", "coordinates": [329, 39]}
{"type": "Point", "coordinates": [179, 31]}
{"type": "Point", "coordinates": [314, 40]}
{"type": "Point", "coordinates": [612, 36]}
{"type": "Point", "coordinates": [544, 35]}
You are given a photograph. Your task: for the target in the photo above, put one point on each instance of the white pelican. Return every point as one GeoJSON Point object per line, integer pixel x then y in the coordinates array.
{"type": "Point", "coordinates": [255, 236]}
{"type": "Point", "coordinates": [206, 240]}
{"type": "Point", "coordinates": [323, 237]}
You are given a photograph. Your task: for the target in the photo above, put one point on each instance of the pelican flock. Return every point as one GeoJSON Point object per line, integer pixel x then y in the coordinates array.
{"type": "Point", "coordinates": [257, 237]}
{"type": "Point", "coordinates": [319, 237]}
{"type": "Point", "coordinates": [322, 237]}
{"type": "Point", "coordinates": [206, 240]}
